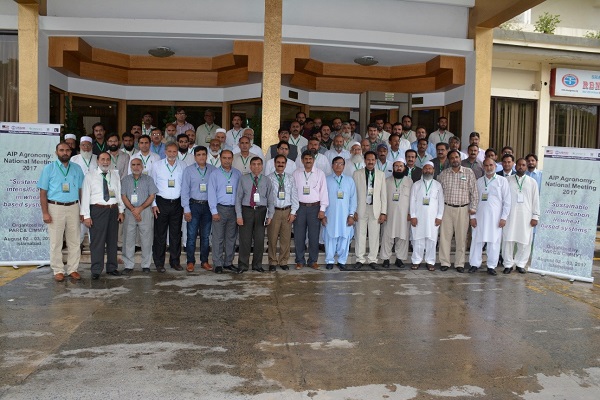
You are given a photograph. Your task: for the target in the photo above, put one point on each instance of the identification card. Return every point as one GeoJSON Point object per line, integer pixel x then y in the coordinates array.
{"type": "Point", "coordinates": [484, 196]}
{"type": "Point", "coordinates": [463, 178]}
{"type": "Point", "coordinates": [208, 139]}
{"type": "Point", "coordinates": [229, 189]}
{"type": "Point", "coordinates": [370, 191]}
{"type": "Point", "coordinates": [171, 183]}
{"type": "Point", "coordinates": [520, 197]}
{"type": "Point", "coordinates": [66, 188]}
{"type": "Point", "coordinates": [145, 172]}
{"type": "Point", "coordinates": [281, 195]}
{"type": "Point", "coordinates": [340, 194]}
{"type": "Point", "coordinates": [256, 197]}
{"type": "Point", "coordinates": [396, 197]}
{"type": "Point", "coordinates": [203, 187]}
{"type": "Point", "coordinates": [134, 198]}
{"type": "Point", "coordinates": [306, 190]}
{"type": "Point", "coordinates": [111, 193]}
{"type": "Point", "coordinates": [425, 201]}
{"type": "Point", "coordinates": [369, 199]}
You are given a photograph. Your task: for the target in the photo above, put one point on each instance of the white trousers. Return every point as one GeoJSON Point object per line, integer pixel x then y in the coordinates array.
{"type": "Point", "coordinates": [386, 247]}
{"type": "Point", "coordinates": [423, 245]}
{"type": "Point", "coordinates": [520, 258]}
{"type": "Point", "coordinates": [492, 251]}
{"type": "Point", "coordinates": [367, 223]}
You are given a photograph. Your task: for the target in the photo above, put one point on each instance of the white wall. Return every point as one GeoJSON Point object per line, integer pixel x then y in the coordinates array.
{"type": "Point", "coordinates": [505, 78]}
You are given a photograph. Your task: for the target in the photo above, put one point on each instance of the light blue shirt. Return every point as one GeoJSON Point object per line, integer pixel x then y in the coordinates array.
{"type": "Point", "coordinates": [430, 148]}
{"type": "Point", "coordinates": [537, 176]}
{"type": "Point", "coordinates": [194, 180]}
{"type": "Point", "coordinates": [339, 209]}
{"type": "Point", "coordinates": [54, 175]}
{"type": "Point", "coordinates": [160, 150]}
{"type": "Point", "coordinates": [217, 188]}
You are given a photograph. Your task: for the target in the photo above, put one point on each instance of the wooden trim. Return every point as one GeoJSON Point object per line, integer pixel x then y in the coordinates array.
{"type": "Point", "coordinates": [122, 117]}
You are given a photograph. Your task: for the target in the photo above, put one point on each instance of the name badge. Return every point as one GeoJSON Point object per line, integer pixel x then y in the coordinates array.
{"type": "Point", "coordinates": [111, 193]}
{"type": "Point", "coordinates": [306, 190]}
{"type": "Point", "coordinates": [463, 178]}
{"type": "Point", "coordinates": [203, 187]}
{"type": "Point", "coordinates": [281, 195]}
{"type": "Point", "coordinates": [520, 197]}
{"type": "Point", "coordinates": [145, 172]}
{"type": "Point", "coordinates": [396, 197]}
{"type": "Point", "coordinates": [484, 197]}
{"type": "Point", "coordinates": [171, 183]}
{"type": "Point", "coordinates": [229, 189]}
{"type": "Point", "coordinates": [340, 194]}
{"type": "Point", "coordinates": [370, 191]}
{"type": "Point", "coordinates": [66, 188]}
{"type": "Point", "coordinates": [134, 198]}
{"type": "Point", "coordinates": [208, 139]}
{"type": "Point", "coordinates": [257, 197]}
{"type": "Point", "coordinates": [425, 201]}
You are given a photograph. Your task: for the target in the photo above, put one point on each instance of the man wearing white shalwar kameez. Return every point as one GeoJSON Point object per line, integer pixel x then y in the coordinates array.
{"type": "Point", "coordinates": [339, 215]}
{"type": "Point", "coordinates": [523, 217]}
{"type": "Point", "coordinates": [490, 218]}
{"type": "Point", "coordinates": [397, 225]}
{"type": "Point", "coordinates": [426, 211]}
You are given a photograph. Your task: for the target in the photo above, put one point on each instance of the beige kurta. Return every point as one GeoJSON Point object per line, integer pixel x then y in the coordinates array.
{"type": "Point", "coordinates": [397, 225]}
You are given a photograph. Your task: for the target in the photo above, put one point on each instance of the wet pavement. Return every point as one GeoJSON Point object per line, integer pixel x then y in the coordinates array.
{"type": "Point", "coordinates": [397, 334]}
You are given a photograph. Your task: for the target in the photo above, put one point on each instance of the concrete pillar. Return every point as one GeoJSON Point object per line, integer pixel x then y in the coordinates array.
{"type": "Point", "coordinates": [543, 112]}
{"type": "Point", "coordinates": [271, 88]}
{"type": "Point", "coordinates": [28, 62]}
{"type": "Point", "coordinates": [484, 40]}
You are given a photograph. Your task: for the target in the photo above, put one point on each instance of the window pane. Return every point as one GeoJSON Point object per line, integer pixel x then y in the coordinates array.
{"type": "Point", "coordinates": [89, 111]}
{"type": "Point", "coordinates": [427, 118]}
{"type": "Point", "coordinates": [573, 125]}
{"type": "Point", "coordinates": [9, 78]}
{"type": "Point", "coordinates": [513, 124]}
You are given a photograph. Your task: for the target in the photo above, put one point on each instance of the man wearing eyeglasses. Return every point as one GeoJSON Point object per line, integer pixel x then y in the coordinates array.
{"type": "Point", "coordinates": [181, 123]}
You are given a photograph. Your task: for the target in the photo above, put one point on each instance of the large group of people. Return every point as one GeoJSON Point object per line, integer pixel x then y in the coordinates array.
{"type": "Point", "coordinates": [322, 185]}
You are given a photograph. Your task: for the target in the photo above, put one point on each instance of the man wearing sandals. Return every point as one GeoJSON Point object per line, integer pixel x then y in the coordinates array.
{"type": "Point", "coordinates": [426, 211]}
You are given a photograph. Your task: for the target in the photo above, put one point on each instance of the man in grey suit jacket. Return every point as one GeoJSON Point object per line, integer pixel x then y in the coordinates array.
{"type": "Point", "coordinates": [371, 209]}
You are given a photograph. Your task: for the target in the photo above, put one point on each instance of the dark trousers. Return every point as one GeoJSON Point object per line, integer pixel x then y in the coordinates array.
{"type": "Point", "coordinates": [169, 219]}
{"type": "Point", "coordinates": [199, 225]}
{"type": "Point", "coordinates": [254, 227]}
{"type": "Point", "coordinates": [103, 237]}
{"type": "Point", "coordinates": [307, 219]}
{"type": "Point", "coordinates": [224, 234]}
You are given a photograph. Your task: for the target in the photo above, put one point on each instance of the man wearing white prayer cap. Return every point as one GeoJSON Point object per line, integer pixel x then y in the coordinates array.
{"type": "Point", "coordinates": [356, 160]}
{"type": "Point", "coordinates": [71, 140]}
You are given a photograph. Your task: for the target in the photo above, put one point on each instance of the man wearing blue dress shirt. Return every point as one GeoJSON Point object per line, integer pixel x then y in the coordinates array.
{"type": "Point", "coordinates": [194, 200]}
{"type": "Point", "coordinates": [222, 187]}
{"type": "Point", "coordinates": [532, 171]}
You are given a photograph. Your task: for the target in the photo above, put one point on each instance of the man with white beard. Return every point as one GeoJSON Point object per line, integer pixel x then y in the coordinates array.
{"type": "Point", "coordinates": [523, 217]}
{"type": "Point", "coordinates": [395, 229]}
{"type": "Point", "coordinates": [102, 210]}
{"type": "Point", "coordinates": [337, 150]}
{"type": "Point", "coordinates": [214, 153]}
{"type": "Point", "coordinates": [348, 136]}
{"type": "Point", "coordinates": [88, 161]}
{"type": "Point", "coordinates": [426, 212]}
{"type": "Point", "coordinates": [490, 218]}
{"type": "Point", "coordinates": [356, 160]}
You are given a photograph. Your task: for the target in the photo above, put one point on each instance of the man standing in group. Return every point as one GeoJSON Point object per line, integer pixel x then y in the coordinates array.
{"type": "Point", "coordinates": [319, 160]}
{"type": "Point", "coordinates": [371, 210]}
{"type": "Point", "coordinates": [373, 137]}
{"type": "Point", "coordinates": [222, 188]}
{"type": "Point", "coordinates": [337, 150]}
{"type": "Point", "coordinates": [523, 217]}
{"type": "Point", "coordinates": [157, 146]}
{"type": "Point", "coordinates": [384, 164]}
{"type": "Point", "coordinates": [426, 211]}
{"type": "Point", "coordinates": [532, 171]}
{"type": "Point", "coordinates": [382, 134]}
{"type": "Point", "coordinates": [313, 201]}
{"type": "Point", "coordinates": [441, 162]}
{"type": "Point", "coordinates": [232, 137]}
{"type": "Point", "coordinates": [206, 132]}
{"type": "Point", "coordinates": [71, 140]}
{"type": "Point", "coordinates": [508, 165]}
{"type": "Point", "coordinates": [395, 229]}
{"type": "Point", "coordinates": [185, 155]}
{"type": "Point", "coordinates": [102, 211]}
{"type": "Point", "coordinates": [412, 170]}
{"type": "Point", "coordinates": [170, 133]}
{"type": "Point", "coordinates": [473, 163]}
{"type": "Point", "coordinates": [241, 160]}
{"type": "Point", "coordinates": [423, 155]}
{"type": "Point", "coordinates": [454, 143]}
{"type": "Point", "coordinates": [407, 132]}
{"type": "Point", "coordinates": [296, 139]}
{"type": "Point", "coordinates": [136, 132]}
{"type": "Point", "coordinates": [283, 148]}
{"type": "Point", "coordinates": [284, 136]}
{"type": "Point", "coordinates": [356, 161]}
{"type": "Point", "coordinates": [441, 135]}
{"type": "Point", "coordinates": [461, 200]}
{"type": "Point", "coordinates": [398, 146]}
{"type": "Point", "coordinates": [339, 217]}
{"type": "Point", "coordinates": [214, 153]}
{"type": "Point", "coordinates": [168, 177]}
{"type": "Point", "coordinates": [129, 144]}
{"type": "Point", "coordinates": [490, 218]}
{"type": "Point", "coordinates": [196, 212]}
{"type": "Point", "coordinates": [180, 121]}
{"type": "Point", "coordinates": [148, 158]}
{"type": "Point", "coordinates": [286, 207]}
{"type": "Point", "coordinates": [138, 192]}
{"type": "Point", "coordinates": [254, 208]}
{"type": "Point", "coordinates": [60, 184]}
{"type": "Point", "coordinates": [474, 139]}
{"type": "Point", "coordinates": [99, 144]}
{"type": "Point", "coordinates": [147, 123]}
{"type": "Point", "coordinates": [421, 133]}
{"type": "Point", "coordinates": [119, 161]}
{"type": "Point", "coordinates": [326, 139]}
{"type": "Point", "coordinates": [86, 159]}
{"type": "Point", "coordinates": [254, 149]}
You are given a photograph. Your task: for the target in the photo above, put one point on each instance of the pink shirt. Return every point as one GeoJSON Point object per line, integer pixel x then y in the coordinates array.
{"type": "Point", "coordinates": [312, 187]}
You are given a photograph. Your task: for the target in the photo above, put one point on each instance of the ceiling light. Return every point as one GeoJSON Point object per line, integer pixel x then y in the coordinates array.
{"type": "Point", "coordinates": [161, 52]}
{"type": "Point", "coordinates": [366, 60]}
